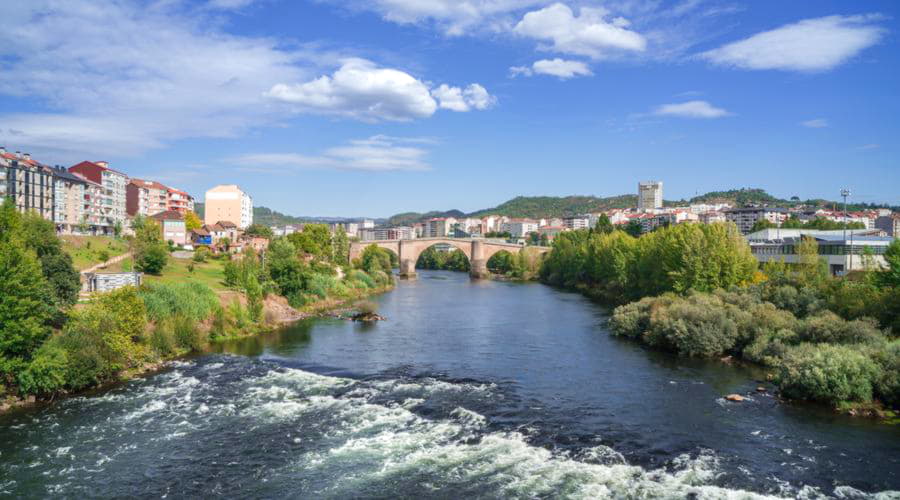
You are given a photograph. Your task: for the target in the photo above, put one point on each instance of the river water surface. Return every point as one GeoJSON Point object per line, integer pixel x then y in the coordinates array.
{"type": "Point", "coordinates": [469, 389]}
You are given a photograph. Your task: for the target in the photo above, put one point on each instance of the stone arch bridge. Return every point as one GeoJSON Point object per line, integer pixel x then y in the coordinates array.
{"type": "Point", "coordinates": [478, 251]}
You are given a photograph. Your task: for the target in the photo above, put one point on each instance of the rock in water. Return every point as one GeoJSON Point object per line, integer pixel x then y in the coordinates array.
{"type": "Point", "coordinates": [760, 389]}
{"type": "Point", "coordinates": [735, 397]}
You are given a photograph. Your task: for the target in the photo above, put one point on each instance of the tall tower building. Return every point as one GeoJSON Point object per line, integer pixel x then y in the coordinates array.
{"type": "Point", "coordinates": [650, 195]}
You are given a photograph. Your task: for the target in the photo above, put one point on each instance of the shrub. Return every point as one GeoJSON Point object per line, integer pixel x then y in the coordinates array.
{"type": "Point", "coordinates": [887, 386]}
{"type": "Point", "coordinates": [162, 339]}
{"type": "Point", "coordinates": [827, 327]}
{"type": "Point", "coordinates": [359, 276]}
{"type": "Point", "coordinates": [769, 348]}
{"type": "Point", "coordinates": [366, 307]}
{"type": "Point", "coordinates": [190, 299]}
{"type": "Point", "coordinates": [103, 255]}
{"type": "Point", "coordinates": [699, 327]}
{"type": "Point", "coordinates": [827, 373]}
{"type": "Point", "coordinates": [219, 327]}
{"type": "Point", "coordinates": [187, 335]}
{"type": "Point", "coordinates": [201, 254]}
{"type": "Point", "coordinates": [47, 372]}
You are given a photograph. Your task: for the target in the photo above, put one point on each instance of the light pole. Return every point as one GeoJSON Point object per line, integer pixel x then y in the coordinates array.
{"type": "Point", "coordinates": [845, 193]}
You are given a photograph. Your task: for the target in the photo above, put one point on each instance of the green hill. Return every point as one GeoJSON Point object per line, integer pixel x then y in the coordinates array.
{"type": "Point", "coordinates": [552, 206]}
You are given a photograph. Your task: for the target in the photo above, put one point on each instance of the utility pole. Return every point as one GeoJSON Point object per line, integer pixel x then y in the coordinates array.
{"type": "Point", "coordinates": [845, 193]}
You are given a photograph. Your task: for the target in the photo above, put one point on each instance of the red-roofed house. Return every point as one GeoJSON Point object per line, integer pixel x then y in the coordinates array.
{"type": "Point", "coordinates": [145, 197]}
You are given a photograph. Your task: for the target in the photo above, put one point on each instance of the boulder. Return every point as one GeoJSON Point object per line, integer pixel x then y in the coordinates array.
{"type": "Point", "coordinates": [735, 397]}
{"type": "Point", "coordinates": [760, 389]}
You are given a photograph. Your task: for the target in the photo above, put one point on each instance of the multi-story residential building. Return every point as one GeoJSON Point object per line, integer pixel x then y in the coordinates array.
{"type": "Point", "coordinates": [180, 201]}
{"type": "Point", "coordinates": [745, 218]}
{"type": "Point", "coordinates": [113, 200]}
{"type": "Point", "coordinates": [387, 233]}
{"type": "Point", "coordinates": [712, 217]}
{"type": "Point", "coordinates": [890, 224]}
{"type": "Point", "coordinates": [145, 198]}
{"type": "Point", "coordinates": [367, 224]}
{"type": "Point", "coordinates": [228, 203]}
{"type": "Point", "coordinates": [70, 206]}
{"type": "Point", "coordinates": [27, 182]}
{"type": "Point", "coordinates": [440, 226]}
{"type": "Point", "coordinates": [519, 228]}
{"type": "Point", "coordinates": [489, 224]}
{"type": "Point", "coordinates": [172, 226]}
{"type": "Point", "coordinates": [650, 195]}
{"type": "Point", "coordinates": [577, 222]}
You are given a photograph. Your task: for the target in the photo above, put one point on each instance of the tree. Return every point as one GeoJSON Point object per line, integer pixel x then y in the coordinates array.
{"type": "Point", "coordinates": [604, 226]}
{"type": "Point", "coordinates": [24, 302]}
{"type": "Point", "coordinates": [192, 221]}
{"type": "Point", "coordinates": [634, 228]}
{"type": "Point", "coordinates": [39, 235]}
{"type": "Point", "coordinates": [341, 246]}
{"type": "Point", "coordinates": [260, 231]}
{"type": "Point", "coordinates": [890, 277]}
{"type": "Point", "coordinates": [315, 240]}
{"type": "Point", "coordinates": [150, 252]}
{"type": "Point", "coordinates": [813, 270]}
{"type": "Point", "coordinates": [117, 229]}
{"type": "Point", "coordinates": [254, 298]}
{"type": "Point", "coordinates": [375, 258]}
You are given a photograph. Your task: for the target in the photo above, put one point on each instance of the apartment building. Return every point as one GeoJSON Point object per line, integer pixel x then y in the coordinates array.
{"type": "Point", "coordinates": [577, 222]}
{"type": "Point", "coordinates": [387, 233]}
{"type": "Point", "coordinates": [114, 196]}
{"type": "Point", "coordinates": [228, 202]}
{"type": "Point", "coordinates": [70, 207]}
{"type": "Point", "coordinates": [27, 182]}
{"type": "Point", "coordinates": [890, 224]}
{"type": "Point", "coordinates": [439, 226]}
{"type": "Point", "coordinates": [745, 218]}
{"type": "Point", "coordinates": [145, 198]}
{"type": "Point", "coordinates": [518, 228]}
{"type": "Point", "coordinates": [182, 202]}
{"type": "Point", "coordinates": [650, 195]}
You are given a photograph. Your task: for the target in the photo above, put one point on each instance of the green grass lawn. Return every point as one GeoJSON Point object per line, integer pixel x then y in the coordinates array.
{"type": "Point", "coordinates": [210, 273]}
{"type": "Point", "coordinates": [87, 251]}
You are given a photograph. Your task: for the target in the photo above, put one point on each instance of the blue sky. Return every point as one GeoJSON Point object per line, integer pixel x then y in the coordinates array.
{"type": "Point", "coordinates": [344, 107]}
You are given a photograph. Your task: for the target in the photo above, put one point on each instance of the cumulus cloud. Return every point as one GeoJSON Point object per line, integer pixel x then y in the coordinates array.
{"type": "Point", "coordinates": [815, 123]}
{"type": "Point", "coordinates": [588, 34]}
{"type": "Point", "coordinates": [564, 69]}
{"type": "Point", "coordinates": [361, 90]}
{"type": "Point", "coordinates": [453, 17]}
{"type": "Point", "coordinates": [456, 99]}
{"type": "Point", "coordinates": [121, 78]}
{"type": "Point", "coordinates": [810, 45]}
{"type": "Point", "coordinates": [691, 109]}
{"type": "Point", "coordinates": [378, 153]}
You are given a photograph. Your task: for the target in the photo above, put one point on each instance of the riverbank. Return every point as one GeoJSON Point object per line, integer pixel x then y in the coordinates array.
{"type": "Point", "coordinates": [276, 314]}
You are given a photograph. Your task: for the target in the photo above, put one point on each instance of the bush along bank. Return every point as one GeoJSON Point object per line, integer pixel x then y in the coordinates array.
{"type": "Point", "coordinates": [697, 292]}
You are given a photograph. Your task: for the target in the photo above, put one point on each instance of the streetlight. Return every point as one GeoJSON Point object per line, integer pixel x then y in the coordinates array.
{"type": "Point", "coordinates": [845, 192]}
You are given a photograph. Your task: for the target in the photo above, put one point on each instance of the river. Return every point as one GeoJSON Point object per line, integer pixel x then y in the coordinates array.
{"type": "Point", "coordinates": [468, 390]}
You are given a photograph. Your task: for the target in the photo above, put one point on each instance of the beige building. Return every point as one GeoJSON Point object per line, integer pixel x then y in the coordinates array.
{"type": "Point", "coordinates": [228, 203]}
{"type": "Point", "coordinates": [650, 195]}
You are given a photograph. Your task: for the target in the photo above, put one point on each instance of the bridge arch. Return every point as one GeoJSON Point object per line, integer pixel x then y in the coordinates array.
{"type": "Point", "coordinates": [477, 250]}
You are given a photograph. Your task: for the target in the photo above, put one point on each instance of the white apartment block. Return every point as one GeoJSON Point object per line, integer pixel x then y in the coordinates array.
{"type": "Point", "coordinates": [650, 195]}
{"type": "Point", "coordinates": [746, 218]}
{"type": "Point", "coordinates": [577, 222]}
{"type": "Point", "coordinates": [518, 228]}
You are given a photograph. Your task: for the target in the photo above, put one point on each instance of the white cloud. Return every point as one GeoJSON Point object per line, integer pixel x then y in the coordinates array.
{"type": "Point", "coordinates": [229, 4]}
{"type": "Point", "coordinates": [561, 68]}
{"type": "Point", "coordinates": [815, 123]}
{"type": "Point", "coordinates": [691, 109]}
{"type": "Point", "coordinates": [378, 153]}
{"type": "Point", "coordinates": [121, 78]}
{"type": "Point", "coordinates": [453, 17]}
{"type": "Point", "coordinates": [361, 90]}
{"type": "Point", "coordinates": [868, 147]}
{"type": "Point", "coordinates": [588, 34]}
{"type": "Point", "coordinates": [816, 44]}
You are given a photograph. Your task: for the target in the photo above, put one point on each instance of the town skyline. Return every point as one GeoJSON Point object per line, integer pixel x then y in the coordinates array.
{"type": "Point", "coordinates": [431, 107]}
